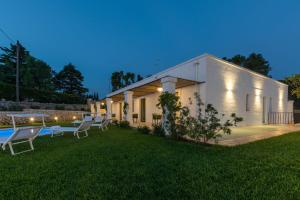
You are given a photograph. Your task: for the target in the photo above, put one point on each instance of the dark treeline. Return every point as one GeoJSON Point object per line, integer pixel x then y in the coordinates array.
{"type": "Point", "coordinates": [38, 81]}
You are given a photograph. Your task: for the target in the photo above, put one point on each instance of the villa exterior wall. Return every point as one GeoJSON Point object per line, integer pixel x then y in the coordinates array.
{"type": "Point", "coordinates": [228, 86]}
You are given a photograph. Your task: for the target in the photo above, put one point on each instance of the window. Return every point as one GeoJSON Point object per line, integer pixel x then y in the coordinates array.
{"type": "Point", "coordinates": [247, 103]}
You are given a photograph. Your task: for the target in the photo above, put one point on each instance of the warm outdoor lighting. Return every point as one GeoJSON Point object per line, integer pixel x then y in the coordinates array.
{"type": "Point", "coordinates": [160, 89]}
{"type": "Point", "coordinates": [111, 101]}
{"type": "Point", "coordinates": [31, 119]}
{"type": "Point", "coordinates": [102, 104]}
{"type": "Point", "coordinates": [74, 117]}
{"type": "Point", "coordinates": [55, 118]}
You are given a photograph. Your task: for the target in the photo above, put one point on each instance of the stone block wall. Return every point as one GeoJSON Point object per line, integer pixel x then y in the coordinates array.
{"type": "Point", "coordinates": [60, 115]}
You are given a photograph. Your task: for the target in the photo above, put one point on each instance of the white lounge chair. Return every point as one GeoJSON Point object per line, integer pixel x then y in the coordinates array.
{"type": "Point", "coordinates": [20, 135]}
{"type": "Point", "coordinates": [101, 123]}
{"type": "Point", "coordinates": [83, 127]}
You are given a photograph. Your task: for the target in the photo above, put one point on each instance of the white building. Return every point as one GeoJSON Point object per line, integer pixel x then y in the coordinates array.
{"type": "Point", "coordinates": [228, 87]}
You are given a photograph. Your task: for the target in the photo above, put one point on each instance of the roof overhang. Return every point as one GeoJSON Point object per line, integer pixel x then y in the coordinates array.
{"type": "Point", "coordinates": [148, 87]}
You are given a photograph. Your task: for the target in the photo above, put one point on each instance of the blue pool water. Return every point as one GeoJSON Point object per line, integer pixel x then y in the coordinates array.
{"type": "Point", "coordinates": [8, 131]}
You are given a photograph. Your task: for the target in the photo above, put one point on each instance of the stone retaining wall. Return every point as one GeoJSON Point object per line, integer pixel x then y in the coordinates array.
{"type": "Point", "coordinates": [45, 106]}
{"type": "Point", "coordinates": [61, 115]}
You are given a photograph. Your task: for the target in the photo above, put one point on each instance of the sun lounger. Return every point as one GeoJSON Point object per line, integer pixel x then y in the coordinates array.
{"type": "Point", "coordinates": [20, 135]}
{"type": "Point", "coordinates": [83, 127]}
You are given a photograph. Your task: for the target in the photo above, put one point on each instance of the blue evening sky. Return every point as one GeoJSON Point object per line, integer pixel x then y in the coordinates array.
{"type": "Point", "coordinates": [100, 37]}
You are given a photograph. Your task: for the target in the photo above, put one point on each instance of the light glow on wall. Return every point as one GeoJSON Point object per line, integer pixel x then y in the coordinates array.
{"type": "Point", "coordinates": [55, 118]}
{"type": "Point", "coordinates": [160, 89]}
{"type": "Point", "coordinates": [31, 119]}
{"type": "Point", "coordinates": [280, 99]}
{"type": "Point", "coordinates": [229, 79]}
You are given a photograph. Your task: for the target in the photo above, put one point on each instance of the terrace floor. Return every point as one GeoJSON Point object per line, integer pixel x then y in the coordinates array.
{"type": "Point", "coordinates": [243, 135]}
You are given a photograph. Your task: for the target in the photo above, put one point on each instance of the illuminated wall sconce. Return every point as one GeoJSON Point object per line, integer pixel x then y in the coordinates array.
{"type": "Point", "coordinates": [111, 101]}
{"type": "Point", "coordinates": [159, 89]}
{"type": "Point", "coordinates": [55, 118]}
{"type": "Point", "coordinates": [74, 117]}
{"type": "Point", "coordinates": [102, 104]}
{"type": "Point", "coordinates": [31, 119]}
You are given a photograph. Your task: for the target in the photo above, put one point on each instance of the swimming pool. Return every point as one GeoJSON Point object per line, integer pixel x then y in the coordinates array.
{"type": "Point", "coordinates": [8, 131]}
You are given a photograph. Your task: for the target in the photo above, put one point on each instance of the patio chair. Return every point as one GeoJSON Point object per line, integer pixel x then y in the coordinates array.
{"type": "Point", "coordinates": [20, 135]}
{"type": "Point", "coordinates": [101, 123]}
{"type": "Point", "coordinates": [83, 127]}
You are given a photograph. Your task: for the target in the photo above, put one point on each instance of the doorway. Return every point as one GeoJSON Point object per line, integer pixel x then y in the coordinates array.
{"type": "Point", "coordinates": [143, 109]}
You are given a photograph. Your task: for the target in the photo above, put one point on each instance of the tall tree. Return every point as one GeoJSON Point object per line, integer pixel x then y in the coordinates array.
{"type": "Point", "coordinates": [8, 63]}
{"type": "Point", "coordinates": [117, 80]}
{"type": "Point", "coordinates": [255, 62]}
{"type": "Point", "coordinates": [294, 85]}
{"type": "Point", "coordinates": [70, 81]}
{"type": "Point", "coordinates": [120, 79]}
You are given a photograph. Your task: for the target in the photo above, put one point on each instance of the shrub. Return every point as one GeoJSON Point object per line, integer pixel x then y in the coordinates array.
{"type": "Point", "coordinates": [158, 129]}
{"type": "Point", "coordinates": [207, 125]}
{"type": "Point", "coordinates": [115, 122]}
{"type": "Point", "coordinates": [143, 129]}
{"type": "Point", "coordinates": [170, 104]}
{"type": "Point", "coordinates": [124, 124]}
{"type": "Point", "coordinates": [59, 107]}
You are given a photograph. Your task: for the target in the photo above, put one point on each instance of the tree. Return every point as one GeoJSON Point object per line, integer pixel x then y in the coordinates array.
{"type": "Point", "coordinates": [8, 63]}
{"type": "Point", "coordinates": [37, 74]}
{"type": "Point", "coordinates": [120, 79]}
{"type": "Point", "coordinates": [116, 80]}
{"type": "Point", "coordinates": [69, 81]}
{"type": "Point", "coordinates": [294, 88]}
{"type": "Point", "coordinates": [255, 62]}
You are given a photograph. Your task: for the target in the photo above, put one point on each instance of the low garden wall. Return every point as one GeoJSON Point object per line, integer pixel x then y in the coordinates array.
{"type": "Point", "coordinates": [54, 115]}
{"type": "Point", "coordinates": [11, 105]}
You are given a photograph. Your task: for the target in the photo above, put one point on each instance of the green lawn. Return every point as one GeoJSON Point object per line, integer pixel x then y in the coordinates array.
{"type": "Point", "coordinates": [124, 164]}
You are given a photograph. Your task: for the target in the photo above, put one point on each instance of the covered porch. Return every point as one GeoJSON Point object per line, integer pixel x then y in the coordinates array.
{"type": "Point", "coordinates": [137, 103]}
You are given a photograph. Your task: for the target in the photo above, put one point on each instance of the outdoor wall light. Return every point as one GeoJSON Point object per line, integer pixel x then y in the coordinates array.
{"type": "Point", "coordinates": [74, 117]}
{"type": "Point", "coordinates": [55, 118]}
{"type": "Point", "coordinates": [102, 104]}
{"type": "Point", "coordinates": [111, 101]}
{"type": "Point", "coordinates": [159, 89]}
{"type": "Point", "coordinates": [31, 119]}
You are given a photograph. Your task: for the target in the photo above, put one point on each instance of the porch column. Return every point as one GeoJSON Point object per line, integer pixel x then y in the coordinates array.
{"type": "Point", "coordinates": [108, 108]}
{"type": "Point", "coordinates": [128, 96]}
{"type": "Point", "coordinates": [98, 106]}
{"type": "Point", "coordinates": [168, 85]}
{"type": "Point", "coordinates": [92, 107]}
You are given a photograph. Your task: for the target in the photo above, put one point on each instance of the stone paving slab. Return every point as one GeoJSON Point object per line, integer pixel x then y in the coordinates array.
{"type": "Point", "coordinates": [242, 135]}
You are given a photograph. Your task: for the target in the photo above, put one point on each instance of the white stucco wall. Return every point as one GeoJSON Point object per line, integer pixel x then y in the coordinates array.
{"type": "Point", "coordinates": [227, 87]}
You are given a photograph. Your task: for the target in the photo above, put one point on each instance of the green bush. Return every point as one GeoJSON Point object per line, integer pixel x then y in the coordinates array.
{"type": "Point", "coordinates": [143, 129]}
{"type": "Point", "coordinates": [124, 124]}
{"type": "Point", "coordinates": [158, 129]}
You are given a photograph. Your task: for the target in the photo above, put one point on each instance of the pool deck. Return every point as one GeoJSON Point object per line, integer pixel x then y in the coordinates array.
{"type": "Point", "coordinates": [243, 135]}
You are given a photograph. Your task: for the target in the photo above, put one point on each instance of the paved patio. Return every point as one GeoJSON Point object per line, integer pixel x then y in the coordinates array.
{"type": "Point", "coordinates": [243, 135]}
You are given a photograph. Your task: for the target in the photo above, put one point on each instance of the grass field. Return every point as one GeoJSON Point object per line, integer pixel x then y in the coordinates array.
{"type": "Point", "coordinates": [124, 164]}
